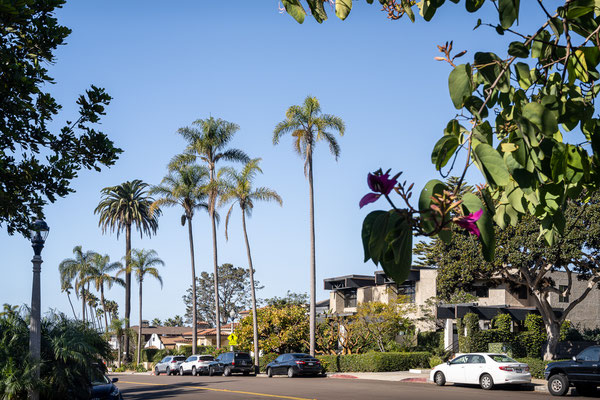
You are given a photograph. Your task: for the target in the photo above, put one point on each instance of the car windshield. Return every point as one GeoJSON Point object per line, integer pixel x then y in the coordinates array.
{"type": "Point", "coordinates": [98, 378]}
{"type": "Point", "coordinates": [243, 356]}
{"type": "Point", "coordinates": [501, 358]}
{"type": "Point", "coordinates": [179, 358]}
{"type": "Point", "coordinates": [206, 358]}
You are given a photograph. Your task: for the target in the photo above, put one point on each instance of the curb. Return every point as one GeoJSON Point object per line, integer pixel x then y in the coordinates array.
{"type": "Point", "coordinates": [342, 376]}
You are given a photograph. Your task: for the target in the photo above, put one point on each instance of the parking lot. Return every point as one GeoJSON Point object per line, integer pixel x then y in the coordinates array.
{"type": "Point", "coordinates": [138, 387]}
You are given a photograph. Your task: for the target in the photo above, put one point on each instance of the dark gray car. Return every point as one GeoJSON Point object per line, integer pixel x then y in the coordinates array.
{"type": "Point", "coordinates": [232, 362]}
{"type": "Point", "coordinates": [169, 365]}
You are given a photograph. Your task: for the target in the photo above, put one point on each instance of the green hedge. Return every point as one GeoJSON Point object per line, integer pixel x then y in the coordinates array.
{"type": "Point", "coordinates": [375, 362]}
{"type": "Point", "coordinates": [536, 366]}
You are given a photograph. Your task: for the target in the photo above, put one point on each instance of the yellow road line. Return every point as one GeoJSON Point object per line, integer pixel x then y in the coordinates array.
{"type": "Point", "coordinates": [277, 396]}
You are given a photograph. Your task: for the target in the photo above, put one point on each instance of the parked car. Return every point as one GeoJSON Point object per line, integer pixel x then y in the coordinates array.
{"type": "Point", "coordinates": [196, 365]}
{"type": "Point", "coordinates": [232, 362]}
{"type": "Point", "coordinates": [293, 364]}
{"type": "Point", "coordinates": [583, 372]}
{"type": "Point", "coordinates": [103, 388]}
{"type": "Point", "coordinates": [485, 369]}
{"type": "Point", "coordinates": [169, 365]}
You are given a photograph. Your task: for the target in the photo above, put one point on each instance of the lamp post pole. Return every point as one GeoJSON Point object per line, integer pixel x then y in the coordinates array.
{"type": "Point", "coordinates": [39, 233]}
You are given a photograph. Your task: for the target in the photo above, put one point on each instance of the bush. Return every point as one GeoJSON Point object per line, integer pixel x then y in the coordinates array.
{"type": "Point", "coordinates": [160, 354]}
{"type": "Point", "coordinates": [185, 350]}
{"type": "Point", "coordinates": [265, 359]}
{"type": "Point", "coordinates": [432, 342]}
{"type": "Point", "coordinates": [375, 362]}
{"type": "Point", "coordinates": [536, 366]}
{"type": "Point", "coordinates": [148, 354]}
{"type": "Point", "coordinates": [435, 361]}
{"type": "Point", "coordinates": [140, 368]}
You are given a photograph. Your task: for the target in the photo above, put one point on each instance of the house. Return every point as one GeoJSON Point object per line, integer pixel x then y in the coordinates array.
{"type": "Point", "coordinates": [161, 337]}
{"type": "Point", "coordinates": [348, 291]}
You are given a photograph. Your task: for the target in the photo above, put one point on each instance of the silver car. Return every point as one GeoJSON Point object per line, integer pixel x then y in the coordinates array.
{"type": "Point", "coordinates": [196, 365]}
{"type": "Point", "coordinates": [169, 365]}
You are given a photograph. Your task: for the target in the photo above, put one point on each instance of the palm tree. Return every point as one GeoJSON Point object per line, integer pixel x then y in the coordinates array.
{"type": "Point", "coordinates": [121, 207]}
{"type": "Point", "coordinates": [66, 286]}
{"type": "Point", "coordinates": [156, 322]}
{"type": "Point", "coordinates": [308, 125]}
{"type": "Point", "coordinates": [186, 186]}
{"type": "Point", "coordinates": [77, 270]}
{"type": "Point", "coordinates": [100, 275]}
{"type": "Point", "coordinates": [241, 191]}
{"type": "Point", "coordinates": [117, 328]}
{"type": "Point", "coordinates": [143, 262]}
{"type": "Point", "coordinates": [207, 139]}
{"type": "Point", "coordinates": [112, 308]}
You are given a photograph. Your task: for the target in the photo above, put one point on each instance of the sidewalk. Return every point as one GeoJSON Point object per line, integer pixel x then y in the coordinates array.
{"type": "Point", "coordinates": [418, 376]}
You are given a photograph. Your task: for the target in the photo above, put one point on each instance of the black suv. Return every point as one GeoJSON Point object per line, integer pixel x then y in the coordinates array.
{"type": "Point", "coordinates": [583, 372]}
{"type": "Point", "coordinates": [228, 363]}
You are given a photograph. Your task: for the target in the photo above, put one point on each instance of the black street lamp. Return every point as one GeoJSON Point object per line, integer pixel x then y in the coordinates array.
{"type": "Point", "coordinates": [38, 233]}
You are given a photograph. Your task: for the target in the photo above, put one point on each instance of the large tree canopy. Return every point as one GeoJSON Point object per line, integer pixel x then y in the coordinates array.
{"type": "Point", "coordinates": [37, 165]}
{"type": "Point", "coordinates": [523, 260]}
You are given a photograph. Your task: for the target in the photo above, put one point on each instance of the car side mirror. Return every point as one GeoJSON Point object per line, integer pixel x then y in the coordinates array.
{"type": "Point", "coordinates": [115, 380]}
{"type": "Point", "coordinates": [448, 362]}
{"type": "Point", "coordinates": [574, 358]}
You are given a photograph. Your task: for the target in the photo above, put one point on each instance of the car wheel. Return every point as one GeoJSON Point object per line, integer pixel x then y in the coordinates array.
{"type": "Point", "coordinates": [168, 372]}
{"type": "Point", "coordinates": [486, 382]}
{"type": "Point", "coordinates": [156, 371]}
{"type": "Point", "coordinates": [211, 371]}
{"type": "Point", "coordinates": [439, 378]}
{"type": "Point", "coordinates": [227, 371]}
{"type": "Point", "coordinates": [181, 371]}
{"type": "Point", "coordinates": [291, 372]}
{"type": "Point", "coordinates": [269, 373]}
{"type": "Point", "coordinates": [246, 373]}
{"type": "Point", "coordinates": [558, 385]}
{"type": "Point", "coordinates": [194, 372]}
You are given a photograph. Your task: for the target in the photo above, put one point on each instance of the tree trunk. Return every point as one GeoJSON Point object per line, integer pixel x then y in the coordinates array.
{"type": "Point", "coordinates": [127, 287]}
{"type": "Point", "coordinates": [553, 332]}
{"type": "Point", "coordinates": [71, 303]}
{"type": "Point", "coordinates": [194, 302]}
{"type": "Point", "coordinates": [216, 278]}
{"type": "Point", "coordinates": [83, 304]}
{"type": "Point", "coordinates": [313, 282]}
{"type": "Point", "coordinates": [139, 342]}
{"type": "Point", "coordinates": [119, 344]}
{"type": "Point", "coordinates": [253, 294]}
{"type": "Point", "coordinates": [104, 306]}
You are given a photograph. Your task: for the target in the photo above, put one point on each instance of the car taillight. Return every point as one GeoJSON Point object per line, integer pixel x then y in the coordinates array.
{"type": "Point", "coordinates": [317, 362]}
{"type": "Point", "coordinates": [506, 368]}
{"type": "Point", "coordinates": [526, 369]}
{"type": "Point", "coordinates": [173, 361]}
{"type": "Point", "coordinates": [233, 363]}
{"type": "Point", "coordinates": [300, 362]}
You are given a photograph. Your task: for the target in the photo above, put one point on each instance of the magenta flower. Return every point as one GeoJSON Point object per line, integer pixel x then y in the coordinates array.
{"type": "Point", "coordinates": [379, 184]}
{"type": "Point", "coordinates": [469, 222]}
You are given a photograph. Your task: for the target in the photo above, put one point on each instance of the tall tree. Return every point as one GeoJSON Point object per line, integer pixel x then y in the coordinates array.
{"type": "Point", "coordinates": [185, 186]}
{"type": "Point", "coordinates": [66, 286]}
{"type": "Point", "coordinates": [308, 125]}
{"type": "Point", "coordinates": [156, 322]}
{"type": "Point", "coordinates": [207, 140]}
{"type": "Point", "coordinates": [101, 275]}
{"type": "Point", "coordinates": [37, 165]}
{"type": "Point", "coordinates": [234, 285]}
{"type": "Point", "coordinates": [524, 260]}
{"type": "Point", "coordinates": [143, 262]}
{"type": "Point", "coordinates": [77, 270]}
{"type": "Point", "coordinates": [117, 328]}
{"type": "Point", "coordinates": [121, 207]}
{"type": "Point", "coordinates": [241, 191]}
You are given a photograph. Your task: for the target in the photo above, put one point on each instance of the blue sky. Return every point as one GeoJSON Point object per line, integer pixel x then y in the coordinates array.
{"type": "Point", "coordinates": [168, 65]}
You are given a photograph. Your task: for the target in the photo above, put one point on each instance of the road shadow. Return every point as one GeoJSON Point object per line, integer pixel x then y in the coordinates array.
{"type": "Point", "coordinates": [505, 387]}
{"type": "Point", "coordinates": [148, 392]}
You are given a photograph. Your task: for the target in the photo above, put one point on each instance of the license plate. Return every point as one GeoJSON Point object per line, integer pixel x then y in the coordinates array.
{"type": "Point", "coordinates": [310, 363]}
{"type": "Point", "coordinates": [518, 370]}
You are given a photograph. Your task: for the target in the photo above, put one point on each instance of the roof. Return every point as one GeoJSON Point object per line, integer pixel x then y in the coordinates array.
{"type": "Point", "coordinates": [349, 281]}
{"type": "Point", "coordinates": [322, 303]}
{"type": "Point", "coordinates": [162, 330]}
{"type": "Point", "coordinates": [210, 331]}
{"type": "Point", "coordinates": [174, 340]}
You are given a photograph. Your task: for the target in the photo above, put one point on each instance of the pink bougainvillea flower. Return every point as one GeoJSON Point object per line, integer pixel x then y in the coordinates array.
{"type": "Point", "coordinates": [380, 184]}
{"type": "Point", "coordinates": [469, 222]}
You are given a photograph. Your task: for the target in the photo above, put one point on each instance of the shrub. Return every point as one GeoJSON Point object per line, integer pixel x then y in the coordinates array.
{"type": "Point", "coordinates": [265, 359]}
{"type": "Point", "coordinates": [148, 354]}
{"type": "Point", "coordinates": [140, 368]}
{"type": "Point", "coordinates": [185, 350]}
{"type": "Point", "coordinates": [375, 362]}
{"type": "Point", "coordinates": [435, 361]}
{"type": "Point", "coordinates": [536, 366]}
{"type": "Point", "coordinates": [432, 342]}
{"type": "Point", "coordinates": [160, 354]}
{"type": "Point", "coordinates": [502, 347]}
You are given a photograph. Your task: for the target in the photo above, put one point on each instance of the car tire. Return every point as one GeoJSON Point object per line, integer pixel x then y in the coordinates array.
{"type": "Point", "coordinates": [486, 382]}
{"type": "Point", "coordinates": [246, 373]}
{"type": "Point", "coordinates": [168, 371]}
{"type": "Point", "coordinates": [156, 371]}
{"type": "Point", "coordinates": [181, 371]}
{"type": "Point", "coordinates": [291, 373]}
{"type": "Point", "coordinates": [269, 373]}
{"type": "Point", "coordinates": [439, 378]}
{"type": "Point", "coordinates": [194, 372]}
{"type": "Point", "coordinates": [558, 385]}
{"type": "Point", "coordinates": [227, 371]}
{"type": "Point", "coordinates": [211, 371]}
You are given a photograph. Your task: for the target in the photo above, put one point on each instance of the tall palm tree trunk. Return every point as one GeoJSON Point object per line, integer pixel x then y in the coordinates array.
{"type": "Point", "coordinates": [313, 282]}
{"type": "Point", "coordinates": [216, 275]}
{"type": "Point", "coordinates": [83, 304]}
{"type": "Point", "coordinates": [127, 287]}
{"type": "Point", "coordinates": [71, 303]}
{"type": "Point", "coordinates": [104, 306]}
{"type": "Point", "coordinates": [194, 305]}
{"type": "Point", "coordinates": [253, 294]}
{"type": "Point", "coordinates": [139, 341]}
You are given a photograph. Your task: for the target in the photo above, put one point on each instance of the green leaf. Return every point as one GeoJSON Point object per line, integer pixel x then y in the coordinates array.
{"type": "Point", "coordinates": [577, 67]}
{"type": "Point", "coordinates": [367, 229]}
{"type": "Point", "coordinates": [342, 8]}
{"type": "Point", "coordinates": [317, 10]}
{"type": "Point", "coordinates": [488, 239]}
{"type": "Point", "coordinates": [443, 151]}
{"type": "Point", "coordinates": [523, 75]}
{"type": "Point", "coordinates": [407, 6]}
{"type": "Point", "coordinates": [508, 11]}
{"type": "Point", "coordinates": [492, 165]}
{"type": "Point", "coordinates": [578, 8]}
{"type": "Point", "coordinates": [460, 85]}
{"type": "Point", "coordinates": [398, 267]}
{"type": "Point", "coordinates": [518, 49]}
{"type": "Point", "coordinates": [483, 132]}
{"type": "Point", "coordinates": [473, 5]}
{"type": "Point", "coordinates": [377, 243]}
{"type": "Point", "coordinates": [295, 9]}
{"type": "Point", "coordinates": [541, 117]}
{"type": "Point", "coordinates": [434, 186]}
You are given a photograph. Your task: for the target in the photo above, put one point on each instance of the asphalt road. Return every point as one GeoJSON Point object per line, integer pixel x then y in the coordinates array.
{"type": "Point", "coordinates": [138, 387]}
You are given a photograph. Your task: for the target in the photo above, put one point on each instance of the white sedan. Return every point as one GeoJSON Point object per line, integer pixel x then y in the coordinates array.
{"type": "Point", "coordinates": [196, 365]}
{"type": "Point", "coordinates": [485, 369]}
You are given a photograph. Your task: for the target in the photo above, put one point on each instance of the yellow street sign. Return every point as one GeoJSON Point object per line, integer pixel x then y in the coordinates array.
{"type": "Point", "coordinates": [232, 338]}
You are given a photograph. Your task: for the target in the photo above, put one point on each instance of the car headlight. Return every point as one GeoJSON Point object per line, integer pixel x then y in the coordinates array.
{"type": "Point", "coordinates": [114, 391]}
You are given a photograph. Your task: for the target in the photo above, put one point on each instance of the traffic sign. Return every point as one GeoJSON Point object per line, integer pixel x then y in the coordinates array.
{"type": "Point", "coordinates": [233, 339]}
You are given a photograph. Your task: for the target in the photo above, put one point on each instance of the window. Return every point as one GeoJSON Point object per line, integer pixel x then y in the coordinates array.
{"type": "Point", "coordinates": [408, 290]}
{"type": "Point", "coordinates": [459, 360]}
{"type": "Point", "coordinates": [589, 354]}
{"type": "Point", "coordinates": [522, 292]}
{"type": "Point", "coordinates": [475, 359]}
{"type": "Point", "coordinates": [482, 291]}
{"type": "Point", "coordinates": [561, 298]}
{"type": "Point", "coordinates": [501, 358]}
{"type": "Point", "coordinates": [350, 298]}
